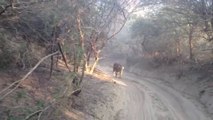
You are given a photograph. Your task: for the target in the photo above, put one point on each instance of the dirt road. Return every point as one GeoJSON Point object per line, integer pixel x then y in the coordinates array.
{"type": "Point", "coordinates": [149, 99]}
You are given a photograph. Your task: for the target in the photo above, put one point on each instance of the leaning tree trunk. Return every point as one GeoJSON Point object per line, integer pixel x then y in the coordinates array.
{"type": "Point", "coordinates": [82, 46]}
{"type": "Point", "coordinates": [94, 65]}
{"type": "Point", "coordinates": [96, 53]}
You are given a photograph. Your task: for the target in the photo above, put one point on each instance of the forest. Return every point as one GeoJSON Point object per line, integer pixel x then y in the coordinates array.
{"type": "Point", "coordinates": [55, 53]}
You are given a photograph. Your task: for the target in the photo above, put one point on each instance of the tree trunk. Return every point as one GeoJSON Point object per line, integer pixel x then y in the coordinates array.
{"type": "Point", "coordinates": [212, 15]}
{"type": "Point", "coordinates": [63, 56]}
{"type": "Point", "coordinates": [87, 64]}
{"type": "Point", "coordinates": [82, 46]}
{"type": "Point", "coordinates": [178, 48]}
{"type": "Point", "coordinates": [190, 42]}
{"type": "Point", "coordinates": [88, 58]}
{"type": "Point", "coordinates": [94, 65]}
{"type": "Point", "coordinates": [204, 10]}
{"type": "Point", "coordinates": [75, 61]}
{"type": "Point", "coordinates": [97, 58]}
{"type": "Point", "coordinates": [83, 71]}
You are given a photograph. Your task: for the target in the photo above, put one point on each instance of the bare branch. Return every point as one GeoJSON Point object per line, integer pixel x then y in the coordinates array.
{"type": "Point", "coordinates": [31, 115]}
{"type": "Point", "coordinates": [21, 80]}
{"type": "Point", "coordinates": [5, 9]}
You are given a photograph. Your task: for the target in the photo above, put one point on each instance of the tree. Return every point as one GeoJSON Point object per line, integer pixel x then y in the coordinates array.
{"type": "Point", "coordinates": [176, 22]}
{"type": "Point", "coordinates": [79, 29]}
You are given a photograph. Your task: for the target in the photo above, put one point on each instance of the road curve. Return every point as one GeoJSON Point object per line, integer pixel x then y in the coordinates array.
{"type": "Point", "coordinates": [149, 99]}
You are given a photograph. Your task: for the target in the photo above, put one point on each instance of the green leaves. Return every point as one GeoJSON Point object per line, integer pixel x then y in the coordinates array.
{"type": "Point", "coordinates": [144, 27]}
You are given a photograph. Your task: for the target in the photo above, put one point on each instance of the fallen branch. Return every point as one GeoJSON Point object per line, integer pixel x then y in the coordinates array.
{"type": "Point", "coordinates": [31, 115]}
{"type": "Point", "coordinates": [5, 9]}
{"type": "Point", "coordinates": [39, 116]}
{"type": "Point", "coordinates": [21, 80]}
{"type": "Point", "coordinates": [76, 92]}
{"type": "Point", "coordinates": [39, 112]}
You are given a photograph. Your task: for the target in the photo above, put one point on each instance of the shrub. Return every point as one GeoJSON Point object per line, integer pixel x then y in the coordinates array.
{"type": "Point", "coordinates": [7, 54]}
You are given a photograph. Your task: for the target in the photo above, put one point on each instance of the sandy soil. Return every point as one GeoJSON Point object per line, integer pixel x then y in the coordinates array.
{"type": "Point", "coordinates": [133, 97]}
{"type": "Point", "coordinates": [139, 98]}
{"type": "Point", "coordinates": [99, 99]}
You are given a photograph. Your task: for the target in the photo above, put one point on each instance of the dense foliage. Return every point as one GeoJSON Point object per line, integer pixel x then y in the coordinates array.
{"type": "Point", "coordinates": [177, 29]}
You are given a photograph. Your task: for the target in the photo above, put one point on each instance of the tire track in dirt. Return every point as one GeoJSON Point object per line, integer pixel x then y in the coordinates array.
{"type": "Point", "coordinates": [149, 99]}
{"type": "Point", "coordinates": [175, 106]}
{"type": "Point", "coordinates": [143, 104]}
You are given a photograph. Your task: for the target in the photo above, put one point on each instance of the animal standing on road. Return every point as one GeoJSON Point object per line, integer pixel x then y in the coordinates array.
{"type": "Point", "coordinates": [118, 70]}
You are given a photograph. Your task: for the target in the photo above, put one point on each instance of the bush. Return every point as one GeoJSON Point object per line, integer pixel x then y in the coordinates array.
{"type": "Point", "coordinates": [7, 54]}
{"type": "Point", "coordinates": [6, 59]}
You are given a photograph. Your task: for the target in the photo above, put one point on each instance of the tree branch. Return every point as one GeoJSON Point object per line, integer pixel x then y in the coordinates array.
{"type": "Point", "coordinates": [31, 115]}
{"type": "Point", "coordinates": [21, 80]}
{"type": "Point", "coordinates": [4, 10]}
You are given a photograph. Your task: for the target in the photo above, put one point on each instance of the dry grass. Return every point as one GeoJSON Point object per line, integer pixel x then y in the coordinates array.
{"type": "Point", "coordinates": [38, 91]}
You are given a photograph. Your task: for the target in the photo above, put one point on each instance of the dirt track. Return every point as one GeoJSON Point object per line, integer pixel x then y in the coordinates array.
{"type": "Point", "coordinates": [149, 99]}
